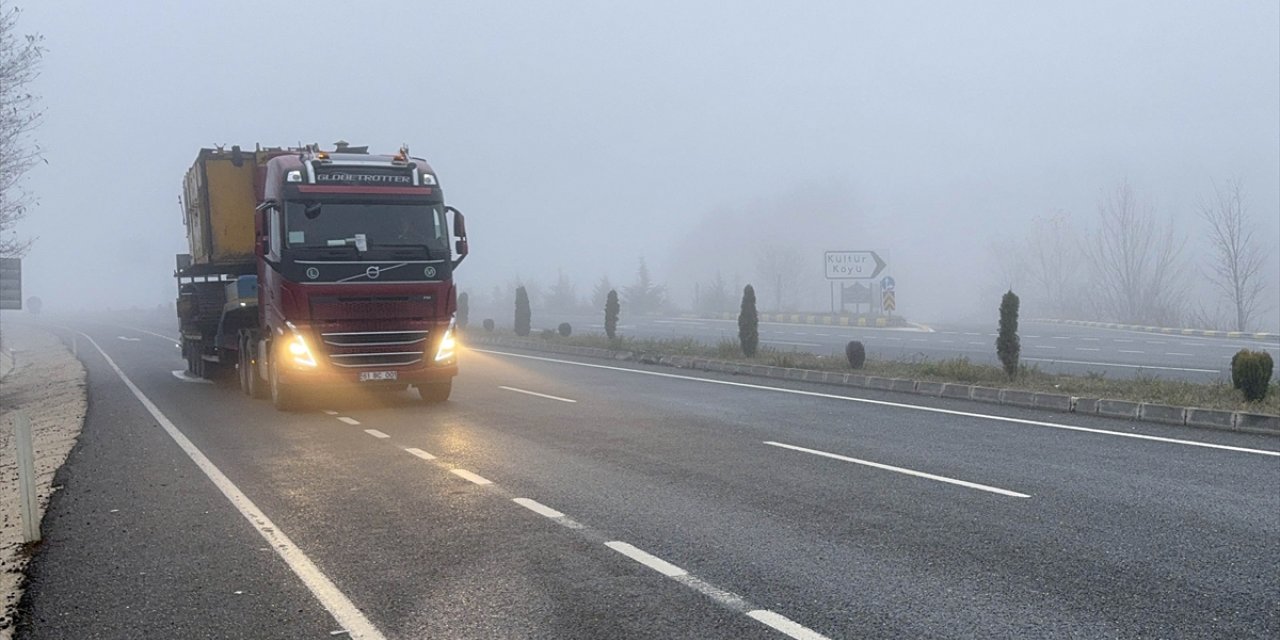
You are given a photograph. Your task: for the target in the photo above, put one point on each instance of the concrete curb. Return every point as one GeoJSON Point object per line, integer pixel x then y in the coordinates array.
{"type": "Point", "coordinates": [1061, 403]}
{"type": "Point", "coordinates": [1207, 333]}
{"type": "Point", "coordinates": [825, 319]}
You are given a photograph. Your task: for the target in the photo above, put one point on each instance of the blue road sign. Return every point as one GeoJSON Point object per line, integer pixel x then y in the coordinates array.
{"type": "Point", "coordinates": [886, 284]}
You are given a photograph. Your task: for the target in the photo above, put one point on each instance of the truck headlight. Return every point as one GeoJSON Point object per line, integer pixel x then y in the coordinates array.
{"type": "Point", "coordinates": [447, 345]}
{"type": "Point", "coordinates": [299, 352]}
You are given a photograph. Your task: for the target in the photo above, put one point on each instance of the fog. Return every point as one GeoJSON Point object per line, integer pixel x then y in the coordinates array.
{"type": "Point", "coordinates": [582, 137]}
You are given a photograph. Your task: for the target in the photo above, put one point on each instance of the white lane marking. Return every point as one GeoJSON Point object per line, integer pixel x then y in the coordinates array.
{"type": "Point", "coordinates": [649, 560]}
{"type": "Point", "coordinates": [476, 478]}
{"type": "Point", "coordinates": [1131, 351]}
{"type": "Point", "coordinates": [1127, 366]}
{"type": "Point", "coordinates": [377, 434]}
{"type": "Point", "coordinates": [129, 339]}
{"type": "Point", "coordinates": [186, 377]}
{"type": "Point", "coordinates": [538, 507]}
{"type": "Point", "coordinates": [977, 343]}
{"type": "Point", "coordinates": [1091, 339]}
{"type": "Point", "coordinates": [1043, 346]}
{"type": "Point", "coordinates": [330, 412]}
{"type": "Point", "coordinates": [158, 335]}
{"type": "Point", "coordinates": [1156, 342]}
{"type": "Point", "coordinates": [1121, 340]}
{"type": "Point", "coordinates": [910, 472]}
{"type": "Point", "coordinates": [1087, 349]}
{"type": "Point", "coordinates": [351, 421]}
{"type": "Point", "coordinates": [334, 601]}
{"type": "Point", "coordinates": [785, 625]}
{"type": "Point", "coordinates": [898, 405]}
{"type": "Point", "coordinates": [793, 344]}
{"type": "Point", "coordinates": [1061, 337]}
{"type": "Point", "coordinates": [540, 395]}
{"type": "Point", "coordinates": [420, 453]}
{"type": "Point", "coordinates": [1179, 354]}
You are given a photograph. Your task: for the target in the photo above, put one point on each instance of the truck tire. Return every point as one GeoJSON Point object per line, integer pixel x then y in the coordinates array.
{"type": "Point", "coordinates": [242, 366]}
{"type": "Point", "coordinates": [258, 387]}
{"type": "Point", "coordinates": [435, 392]}
{"type": "Point", "coordinates": [284, 397]}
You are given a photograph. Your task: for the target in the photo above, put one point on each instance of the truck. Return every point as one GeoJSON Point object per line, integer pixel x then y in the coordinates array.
{"type": "Point", "coordinates": [316, 270]}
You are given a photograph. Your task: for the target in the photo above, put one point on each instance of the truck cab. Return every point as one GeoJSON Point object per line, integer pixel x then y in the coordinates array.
{"type": "Point", "coordinates": [350, 281]}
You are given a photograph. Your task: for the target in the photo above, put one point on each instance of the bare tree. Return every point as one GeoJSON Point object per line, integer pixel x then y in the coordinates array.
{"type": "Point", "coordinates": [1051, 261]}
{"type": "Point", "coordinates": [1236, 269]}
{"type": "Point", "coordinates": [779, 270]}
{"type": "Point", "coordinates": [1136, 262]}
{"type": "Point", "coordinates": [19, 115]}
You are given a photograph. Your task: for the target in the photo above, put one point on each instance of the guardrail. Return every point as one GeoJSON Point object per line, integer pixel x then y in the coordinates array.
{"type": "Point", "coordinates": [1209, 333]}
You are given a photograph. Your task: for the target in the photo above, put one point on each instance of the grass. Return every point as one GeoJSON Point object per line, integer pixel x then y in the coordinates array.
{"type": "Point", "coordinates": [1141, 387]}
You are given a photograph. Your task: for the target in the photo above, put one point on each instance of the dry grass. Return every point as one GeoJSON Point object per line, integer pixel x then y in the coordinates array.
{"type": "Point", "coordinates": [1141, 388]}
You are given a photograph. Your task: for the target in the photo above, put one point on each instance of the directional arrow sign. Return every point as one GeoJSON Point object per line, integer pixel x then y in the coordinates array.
{"type": "Point", "coordinates": [853, 265]}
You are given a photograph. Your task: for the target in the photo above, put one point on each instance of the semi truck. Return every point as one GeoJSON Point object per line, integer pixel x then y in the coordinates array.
{"type": "Point", "coordinates": [317, 271]}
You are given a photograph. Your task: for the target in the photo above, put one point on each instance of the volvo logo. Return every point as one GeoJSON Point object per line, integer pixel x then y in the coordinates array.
{"type": "Point", "coordinates": [373, 273]}
{"type": "Point", "coordinates": [313, 273]}
{"type": "Point", "coordinates": [429, 272]}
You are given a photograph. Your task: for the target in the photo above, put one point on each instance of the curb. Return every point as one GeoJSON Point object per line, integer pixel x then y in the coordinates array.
{"type": "Point", "coordinates": [1061, 403]}
{"type": "Point", "coordinates": [1208, 333]}
{"type": "Point", "coordinates": [826, 319]}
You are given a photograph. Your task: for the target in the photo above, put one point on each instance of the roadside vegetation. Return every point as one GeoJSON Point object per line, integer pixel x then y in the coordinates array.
{"type": "Point", "coordinates": [1141, 388]}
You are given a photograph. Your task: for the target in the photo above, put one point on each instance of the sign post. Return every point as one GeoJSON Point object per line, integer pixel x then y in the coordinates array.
{"type": "Point", "coordinates": [854, 265]}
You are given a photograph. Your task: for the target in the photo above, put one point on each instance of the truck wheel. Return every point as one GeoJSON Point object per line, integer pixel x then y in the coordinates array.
{"type": "Point", "coordinates": [284, 397]}
{"type": "Point", "coordinates": [435, 392]}
{"type": "Point", "coordinates": [258, 387]}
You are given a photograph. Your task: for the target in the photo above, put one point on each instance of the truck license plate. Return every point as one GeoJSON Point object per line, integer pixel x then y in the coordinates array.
{"type": "Point", "coordinates": [369, 376]}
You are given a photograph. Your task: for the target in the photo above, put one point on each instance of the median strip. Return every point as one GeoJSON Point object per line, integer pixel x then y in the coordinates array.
{"type": "Point", "coordinates": [903, 470]}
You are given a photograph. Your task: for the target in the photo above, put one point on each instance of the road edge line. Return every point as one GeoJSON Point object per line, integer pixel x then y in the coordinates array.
{"type": "Point", "coordinates": [331, 598]}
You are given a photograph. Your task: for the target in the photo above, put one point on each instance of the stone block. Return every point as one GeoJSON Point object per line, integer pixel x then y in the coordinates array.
{"type": "Point", "coordinates": [1118, 409]}
{"type": "Point", "coordinates": [1167, 414]}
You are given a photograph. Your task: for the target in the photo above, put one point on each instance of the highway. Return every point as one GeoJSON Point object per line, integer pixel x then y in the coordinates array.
{"type": "Point", "coordinates": [556, 497]}
{"type": "Point", "coordinates": [1055, 348]}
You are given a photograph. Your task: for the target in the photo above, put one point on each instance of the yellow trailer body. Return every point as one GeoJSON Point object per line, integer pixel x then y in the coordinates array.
{"type": "Point", "coordinates": [219, 198]}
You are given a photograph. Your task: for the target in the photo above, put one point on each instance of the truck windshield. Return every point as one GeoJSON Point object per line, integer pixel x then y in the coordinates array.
{"type": "Point", "coordinates": [317, 225]}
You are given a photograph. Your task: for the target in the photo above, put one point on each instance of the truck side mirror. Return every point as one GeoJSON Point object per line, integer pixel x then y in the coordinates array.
{"type": "Point", "coordinates": [460, 230]}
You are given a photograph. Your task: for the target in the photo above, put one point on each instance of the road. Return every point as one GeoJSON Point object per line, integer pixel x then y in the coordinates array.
{"type": "Point", "coordinates": [1052, 347]}
{"type": "Point", "coordinates": [562, 498]}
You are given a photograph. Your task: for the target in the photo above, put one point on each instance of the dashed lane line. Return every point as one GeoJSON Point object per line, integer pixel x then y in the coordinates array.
{"type": "Point", "coordinates": [1126, 366]}
{"type": "Point", "coordinates": [419, 453]}
{"type": "Point", "coordinates": [903, 470]}
{"type": "Point", "coordinates": [351, 421]}
{"type": "Point", "coordinates": [348, 616]}
{"type": "Point", "coordinates": [538, 508]}
{"type": "Point", "coordinates": [473, 477]}
{"type": "Point", "coordinates": [538, 395]}
{"type": "Point", "coordinates": [377, 434]}
{"type": "Point", "coordinates": [898, 405]}
{"type": "Point", "coordinates": [1174, 353]}
{"type": "Point", "coordinates": [647, 559]}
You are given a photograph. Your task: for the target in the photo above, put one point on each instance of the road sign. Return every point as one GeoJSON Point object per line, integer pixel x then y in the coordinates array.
{"type": "Point", "coordinates": [10, 283]}
{"type": "Point", "coordinates": [889, 303]}
{"type": "Point", "coordinates": [887, 283]}
{"type": "Point", "coordinates": [852, 265]}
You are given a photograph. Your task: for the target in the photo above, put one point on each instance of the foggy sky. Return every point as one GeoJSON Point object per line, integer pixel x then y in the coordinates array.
{"type": "Point", "coordinates": [582, 136]}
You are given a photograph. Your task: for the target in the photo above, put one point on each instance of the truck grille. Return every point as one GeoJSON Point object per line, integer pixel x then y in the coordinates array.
{"type": "Point", "coordinates": [375, 348]}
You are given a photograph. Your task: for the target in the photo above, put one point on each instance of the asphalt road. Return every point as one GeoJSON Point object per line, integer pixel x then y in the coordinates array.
{"type": "Point", "coordinates": [1052, 347]}
{"type": "Point", "coordinates": [562, 498]}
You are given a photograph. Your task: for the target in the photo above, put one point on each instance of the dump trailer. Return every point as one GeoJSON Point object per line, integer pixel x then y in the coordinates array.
{"type": "Point", "coordinates": [312, 269]}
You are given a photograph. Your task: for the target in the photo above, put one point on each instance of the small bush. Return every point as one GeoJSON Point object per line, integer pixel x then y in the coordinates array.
{"type": "Point", "coordinates": [565, 329]}
{"type": "Point", "coordinates": [488, 325]}
{"type": "Point", "coordinates": [748, 323]}
{"type": "Point", "coordinates": [1251, 373]}
{"type": "Point", "coordinates": [524, 314]}
{"type": "Point", "coordinates": [548, 334]}
{"type": "Point", "coordinates": [1008, 347]}
{"type": "Point", "coordinates": [856, 353]}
